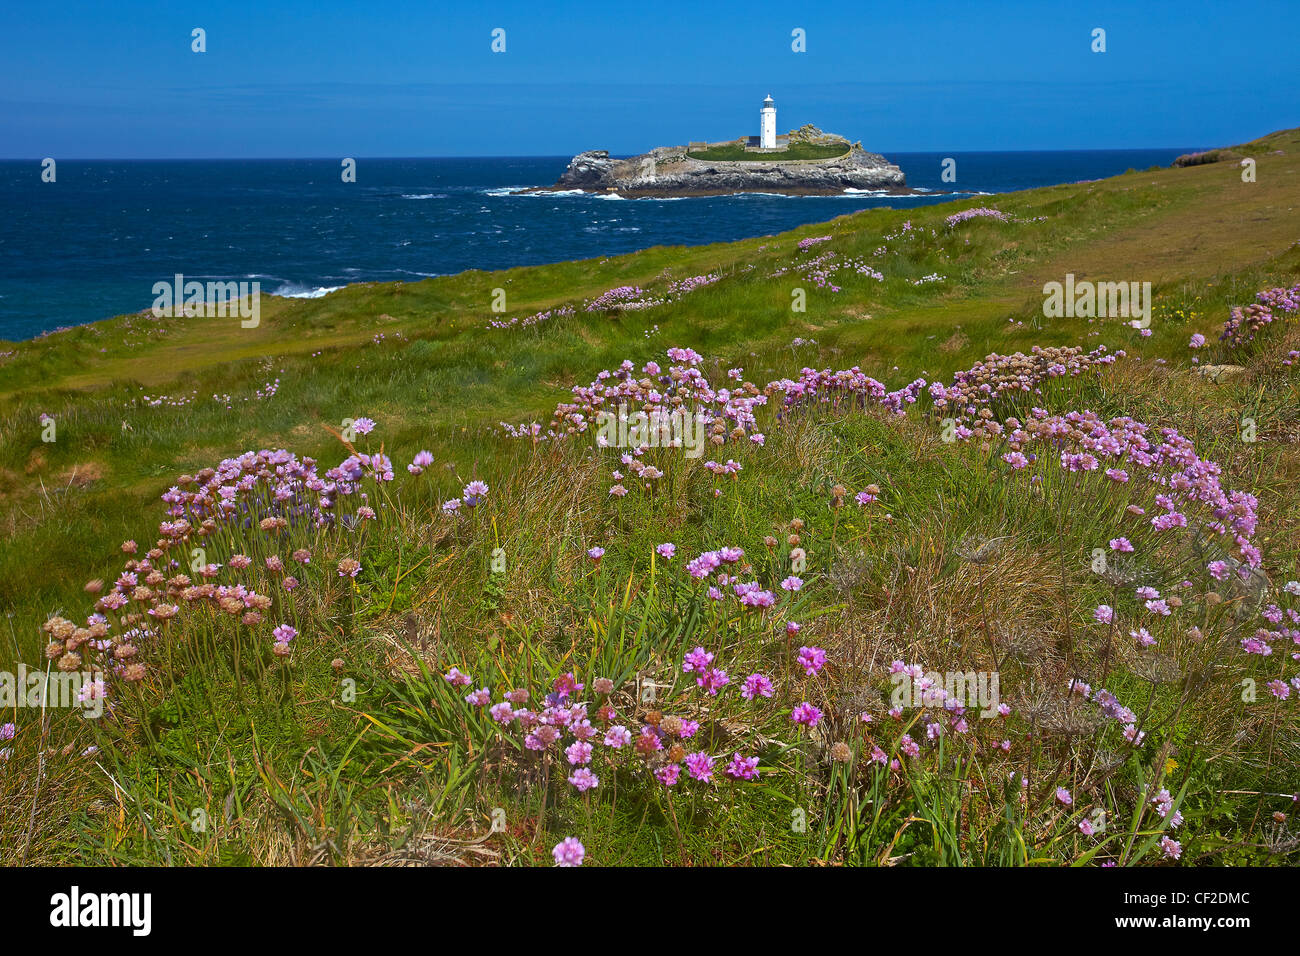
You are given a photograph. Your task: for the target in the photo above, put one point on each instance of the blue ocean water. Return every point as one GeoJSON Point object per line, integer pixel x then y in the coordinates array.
{"type": "Point", "coordinates": [93, 243]}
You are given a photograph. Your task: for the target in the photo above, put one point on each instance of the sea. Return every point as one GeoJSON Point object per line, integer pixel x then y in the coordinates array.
{"type": "Point", "coordinates": [92, 243]}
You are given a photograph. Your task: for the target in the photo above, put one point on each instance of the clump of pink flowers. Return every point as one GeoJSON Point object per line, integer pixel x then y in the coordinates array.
{"type": "Point", "coordinates": [614, 297]}
{"type": "Point", "coordinates": [979, 212]}
{"type": "Point", "coordinates": [1245, 322]}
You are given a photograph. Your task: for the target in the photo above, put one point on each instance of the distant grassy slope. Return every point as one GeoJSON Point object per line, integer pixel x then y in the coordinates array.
{"type": "Point", "coordinates": [733, 153]}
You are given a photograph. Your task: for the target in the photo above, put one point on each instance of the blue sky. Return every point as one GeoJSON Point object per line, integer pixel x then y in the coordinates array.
{"type": "Point", "coordinates": [324, 78]}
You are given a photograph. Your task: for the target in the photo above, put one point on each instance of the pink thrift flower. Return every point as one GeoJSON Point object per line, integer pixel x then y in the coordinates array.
{"type": "Point", "coordinates": [757, 685]}
{"type": "Point", "coordinates": [806, 713]}
{"type": "Point", "coordinates": [713, 680]}
{"type": "Point", "coordinates": [456, 678]}
{"type": "Point", "coordinates": [742, 768]}
{"type": "Point", "coordinates": [697, 661]}
{"type": "Point", "coordinates": [578, 753]}
{"type": "Point", "coordinates": [700, 766]}
{"type": "Point", "coordinates": [569, 852]}
{"type": "Point", "coordinates": [812, 660]}
{"type": "Point", "coordinates": [668, 774]}
{"type": "Point", "coordinates": [421, 461]}
{"type": "Point", "coordinates": [474, 493]}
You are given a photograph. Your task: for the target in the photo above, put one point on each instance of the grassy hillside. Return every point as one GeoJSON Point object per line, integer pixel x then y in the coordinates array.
{"type": "Point", "coordinates": [735, 153]}
{"type": "Point", "coordinates": [349, 745]}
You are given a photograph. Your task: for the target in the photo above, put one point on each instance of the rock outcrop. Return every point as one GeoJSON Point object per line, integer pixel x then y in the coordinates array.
{"type": "Point", "coordinates": [670, 171]}
{"type": "Point", "coordinates": [590, 170]}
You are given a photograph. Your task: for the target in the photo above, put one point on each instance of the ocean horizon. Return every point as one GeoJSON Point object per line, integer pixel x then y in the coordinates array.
{"type": "Point", "coordinates": [93, 243]}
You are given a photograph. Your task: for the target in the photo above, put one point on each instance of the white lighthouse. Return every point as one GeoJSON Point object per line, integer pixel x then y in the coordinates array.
{"type": "Point", "coordinates": [767, 124]}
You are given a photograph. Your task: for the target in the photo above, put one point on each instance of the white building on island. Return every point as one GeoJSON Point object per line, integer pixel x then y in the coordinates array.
{"type": "Point", "coordinates": [767, 124]}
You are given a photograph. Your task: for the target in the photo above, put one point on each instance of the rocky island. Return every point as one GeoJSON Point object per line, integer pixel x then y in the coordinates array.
{"type": "Point", "coordinates": [804, 162]}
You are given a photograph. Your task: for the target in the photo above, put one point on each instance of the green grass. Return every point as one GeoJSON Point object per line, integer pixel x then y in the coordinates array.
{"type": "Point", "coordinates": [375, 759]}
{"type": "Point", "coordinates": [733, 153]}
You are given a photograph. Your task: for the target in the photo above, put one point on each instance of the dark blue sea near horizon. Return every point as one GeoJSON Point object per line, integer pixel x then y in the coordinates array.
{"type": "Point", "coordinates": [93, 243]}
